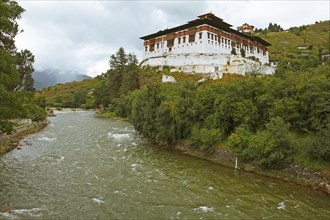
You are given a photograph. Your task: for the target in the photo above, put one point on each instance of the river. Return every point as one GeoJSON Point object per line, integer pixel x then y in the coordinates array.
{"type": "Point", "coordinates": [83, 167]}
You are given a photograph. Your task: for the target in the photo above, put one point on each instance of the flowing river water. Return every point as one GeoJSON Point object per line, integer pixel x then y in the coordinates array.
{"type": "Point", "coordinates": [83, 167]}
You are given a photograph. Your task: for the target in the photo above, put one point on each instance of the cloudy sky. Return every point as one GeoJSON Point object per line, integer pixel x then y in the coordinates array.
{"type": "Point", "coordinates": [81, 35]}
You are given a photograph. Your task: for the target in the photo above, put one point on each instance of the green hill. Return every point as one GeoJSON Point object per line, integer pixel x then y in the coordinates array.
{"type": "Point", "coordinates": [72, 94]}
{"type": "Point", "coordinates": [314, 37]}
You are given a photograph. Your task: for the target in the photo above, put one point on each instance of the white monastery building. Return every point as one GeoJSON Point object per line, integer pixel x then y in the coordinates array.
{"type": "Point", "coordinates": [206, 45]}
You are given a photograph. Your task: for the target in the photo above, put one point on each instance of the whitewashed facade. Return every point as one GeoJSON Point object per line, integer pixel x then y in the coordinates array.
{"type": "Point", "coordinates": [204, 45]}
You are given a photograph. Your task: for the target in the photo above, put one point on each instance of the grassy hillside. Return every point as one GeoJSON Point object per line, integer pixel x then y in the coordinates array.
{"type": "Point", "coordinates": [72, 94]}
{"type": "Point", "coordinates": [283, 43]}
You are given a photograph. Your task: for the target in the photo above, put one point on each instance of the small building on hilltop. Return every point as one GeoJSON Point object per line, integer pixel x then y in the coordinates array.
{"type": "Point", "coordinates": [246, 28]}
{"type": "Point", "coordinates": [205, 45]}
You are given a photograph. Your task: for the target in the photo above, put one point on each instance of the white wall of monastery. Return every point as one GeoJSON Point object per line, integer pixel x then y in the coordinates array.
{"type": "Point", "coordinates": [213, 64]}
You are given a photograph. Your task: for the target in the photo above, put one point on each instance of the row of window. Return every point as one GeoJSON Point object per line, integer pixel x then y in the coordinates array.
{"type": "Point", "coordinates": [209, 36]}
{"type": "Point", "coordinates": [223, 45]}
{"type": "Point", "coordinates": [191, 39]}
{"type": "Point", "coordinates": [228, 47]}
{"type": "Point", "coordinates": [213, 38]}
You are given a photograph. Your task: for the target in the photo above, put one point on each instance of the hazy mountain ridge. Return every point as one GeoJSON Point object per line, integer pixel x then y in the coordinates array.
{"type": "Point", "coordinates": [52, 77]}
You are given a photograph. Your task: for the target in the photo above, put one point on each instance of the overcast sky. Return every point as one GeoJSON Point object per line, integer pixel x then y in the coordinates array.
{"type": "Point", "coordinates": [81, 35]}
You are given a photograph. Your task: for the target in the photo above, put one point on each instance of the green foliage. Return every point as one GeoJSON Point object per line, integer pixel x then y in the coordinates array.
{"type": "Point", "coordinates": [101, 93]}
{"type": "Point", "coordinates": [164, 113]}
{"type": "Point", "coordinates": [313, 36]}
{"type": "Point", "coordinates": [40, 101]}
{"type": "Point", "coordinates": [70, 95]}
{"type": "Point", "coordinates": [205, 139]}
{"type": "Point", "coordinates": [24, 63]}
{"type": "Point", "coordinates": [9, 77]}
{"type": "Point", "coordinates": [233, 51]}
{"type": "Point", "coordinates": [122, 106]}
{"type": "Point", "coordinates": [253, 58]}
{"type": "Point", "coordinates": [144, 111]}
{"type": "Point", "coordinates": [80, 98]}
{"type": "Point", "coordinates": [298, 30]}
{"type": "Point", "coordinates": [239, 141]}
{"type": "Point", "coordinates": [16, 83]}
{"type": "Point", "coordinates": [270, 148]}
{"type": "Point", "coordinates": [122, 75]}
{"type": "Point", "coordinates": [243, 53]}
{"type": "Point", "coordinates": [35, 112]}
{"type": "Point", "coordinates": [318, 145]}
{"type": "Point", "coordinates": [169, 119]}
{"type": "Point", "coordinates": [10, 108]}
{"type": "Point", "coordinates": [130, 81]}
{"type": "Point", "coordinates": [10, 12]}
{"type": "Point", "coordinates": [273, 146]}
{"type": "Point", "coordinates": [271, 28]}
{"type": "Point", "coordinates": [254, 112]}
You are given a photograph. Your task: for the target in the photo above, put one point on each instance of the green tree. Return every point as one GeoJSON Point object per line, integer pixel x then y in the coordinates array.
{"type": "Point", "coordinates": [270, 148]}
{"type": "Point", "coordinates": [24, 65]}
{"type": "Point", "coordinates": [144, 111]}
{"type": "Point", "coordinates": [130, 80]}
{"type": "Point", "coordinates": [80, 98]}
{"type": "Point", "coordinates": [101, 93]}
{"type": "Point", "coordinates": [205, 139]}
{"type": "Point", "coordinates": [273, 146]}
{"type": "Point", "coordinates": [9, 77]}
{"type": "Point", "coordinates": [10, 12]}
{"type": "Point", "coordinates": [122, 75]}
{"type": "Point", "coordinates": [11, 101]}
{"type": "Point", "coordinates": [119, 60]}
{"type": "Point", "coordinates": [169, 122]}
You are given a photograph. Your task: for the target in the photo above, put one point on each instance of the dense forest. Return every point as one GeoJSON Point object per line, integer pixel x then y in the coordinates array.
{"type": "Point", "coordinates": [16, 68]}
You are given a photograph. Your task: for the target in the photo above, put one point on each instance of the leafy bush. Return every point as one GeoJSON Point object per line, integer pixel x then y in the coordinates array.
{"type": "Point", "coordinates": [273, 146]}
{"type": "Point", "coordinates": [36, 113]}
{"type": "Point", "coordinates": [205, 139]}
{"type": "Point", "coordinates": [318, 145]}
{"type": "Point", "coordinates": [270, 148]}
{"type": "Point", "coordinates": [239, 141]}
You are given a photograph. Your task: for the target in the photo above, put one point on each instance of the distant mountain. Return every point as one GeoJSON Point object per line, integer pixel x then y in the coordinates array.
{"type": "Point", "coordinates": [52, 77]}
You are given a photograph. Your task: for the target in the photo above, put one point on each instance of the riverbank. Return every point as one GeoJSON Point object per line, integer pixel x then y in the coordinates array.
{"type": "Point", "coordinates": [314, 179]}
{"type": "Point", "coordinates": [10, 142]}
{"type": "Point", "coordinates": [69, 110]}
{"type": "Point", "coordinates": [109, 115]}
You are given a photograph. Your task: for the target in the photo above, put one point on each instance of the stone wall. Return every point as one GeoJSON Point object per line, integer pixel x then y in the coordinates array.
{"type": "Point", "coordinates": [213, 64]}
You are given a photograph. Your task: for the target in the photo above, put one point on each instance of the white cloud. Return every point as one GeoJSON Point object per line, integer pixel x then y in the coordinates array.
{"type": "Point", "coordinates": [81, 35]}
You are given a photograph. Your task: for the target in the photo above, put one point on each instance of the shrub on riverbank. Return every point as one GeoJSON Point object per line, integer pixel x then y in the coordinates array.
{"type": "Point", "coordinates": [269, 148]}
{"type": "Point", "coordinates": [205, 139]}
